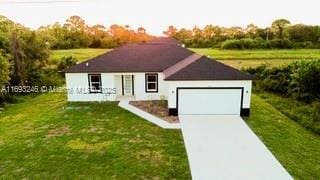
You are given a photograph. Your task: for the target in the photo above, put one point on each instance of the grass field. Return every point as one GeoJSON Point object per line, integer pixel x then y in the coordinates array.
{"type": "Point", "coordinates": [252, 58]}
{"type": "Point", "coordinates": [79, 54]}
{"type": "Point", "coordinates": [234, 58]}
{"type": "Point", "coordinates": [259, 54]}
{"type": "Point", "coordinates": [47, 138]}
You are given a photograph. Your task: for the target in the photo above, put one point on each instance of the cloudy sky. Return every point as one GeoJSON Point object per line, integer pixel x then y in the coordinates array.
{"type": "Point", "coordinates": [155, 16]}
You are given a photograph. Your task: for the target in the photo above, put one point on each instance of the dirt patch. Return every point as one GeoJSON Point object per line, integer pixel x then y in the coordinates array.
{"type": "Point", "coordinates": [65, 130]}
{"type": "Point", "coordinates": [89, 147]}
{"type": "Point", "coordinates": [93, 129]}
{"type": "Point", "coordinates": [158, 108]}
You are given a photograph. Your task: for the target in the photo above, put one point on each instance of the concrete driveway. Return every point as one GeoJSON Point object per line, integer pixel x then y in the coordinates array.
{"type": "Point", "coordinates": [224, 147]}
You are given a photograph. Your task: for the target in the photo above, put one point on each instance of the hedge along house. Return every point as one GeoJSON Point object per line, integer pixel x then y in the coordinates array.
{"type": "Point", "coordinates": [161, 70]}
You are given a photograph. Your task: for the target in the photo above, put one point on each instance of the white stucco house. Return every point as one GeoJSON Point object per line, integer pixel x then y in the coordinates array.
{"type": "Point", "coordinates": [162, 70]}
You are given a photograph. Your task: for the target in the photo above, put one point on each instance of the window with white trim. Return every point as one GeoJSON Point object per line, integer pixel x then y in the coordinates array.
{"type": "Point", "coordinates": [151, 82]}
{"type": "Point", "coordinates": [95, 83]}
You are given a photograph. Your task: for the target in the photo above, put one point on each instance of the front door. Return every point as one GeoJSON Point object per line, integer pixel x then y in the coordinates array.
{"type": "Point", "coordinates": [127, 82]}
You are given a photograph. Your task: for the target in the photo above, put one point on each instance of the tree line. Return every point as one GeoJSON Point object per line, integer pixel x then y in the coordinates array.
{"type": "Point", "coordinates": [24, 53]}
{"type": "Point", "coordinates": [279, 35]}
{"type": "Point", "coordinates": [75, 33]}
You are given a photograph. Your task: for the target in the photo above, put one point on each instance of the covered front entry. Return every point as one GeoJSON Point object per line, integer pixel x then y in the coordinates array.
{"type": "Point", "coordinates": [127, 82]}
{"type": "Point", "coordinates": [209, 101]}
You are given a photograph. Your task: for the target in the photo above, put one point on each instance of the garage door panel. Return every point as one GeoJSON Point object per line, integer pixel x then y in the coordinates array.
{"type": "Point", "coordinates": [209, 101]}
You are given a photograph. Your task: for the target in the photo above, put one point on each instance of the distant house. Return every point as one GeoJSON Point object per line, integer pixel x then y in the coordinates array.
{"type": "Point", "coordinates": [162, 70]}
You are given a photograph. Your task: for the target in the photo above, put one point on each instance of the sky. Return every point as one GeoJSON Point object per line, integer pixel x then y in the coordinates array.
{"type": "Point", "coordinates": [157, 15]}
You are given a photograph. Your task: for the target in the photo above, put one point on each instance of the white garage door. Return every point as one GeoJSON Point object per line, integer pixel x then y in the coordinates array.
{"type": "Point", "coordinates": [209, 101]}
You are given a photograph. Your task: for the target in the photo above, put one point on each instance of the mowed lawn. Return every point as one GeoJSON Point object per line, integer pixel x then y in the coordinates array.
{"type": "Point", "coordinates": [46, 137]}
{"type": "Point", "coordinates": [79, 54]}
{"type": "Point", "coordinates": [252, 58]}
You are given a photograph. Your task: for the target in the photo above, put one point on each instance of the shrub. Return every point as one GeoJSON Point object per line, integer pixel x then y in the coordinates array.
{"type": "Point", "coordinates": [7, 98]}
{"type": "Point", "coordinates": [305, 80]}
{"type": "Point", "coordinates": [316, 116]}
{"type": "Point", "coordinates": [231, 44]}
{"type": "Point", "coordinates": [258, 43]}
{"type": "Point", "coordinates": [280, 44]}
{"type": "Point", "coordinates": [300, 79]}
{"type": "Point", "coordinates": [66, 62]}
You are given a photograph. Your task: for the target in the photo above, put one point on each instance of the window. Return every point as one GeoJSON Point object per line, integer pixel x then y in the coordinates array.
{"type": "Point", "coordinates": [151, 82]}
{"type": "Point", "coordinates": [95, 83]}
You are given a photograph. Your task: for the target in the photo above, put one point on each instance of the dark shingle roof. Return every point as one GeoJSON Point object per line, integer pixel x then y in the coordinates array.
{"type": "Point", "coordinates": [160, 55]}
{"type": "Point", "coordinates": [154, 56]}
{"type": "Point", "coordinates": [208, 69]}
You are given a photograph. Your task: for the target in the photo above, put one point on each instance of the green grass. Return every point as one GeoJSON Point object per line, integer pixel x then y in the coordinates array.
{"type": "Point", "coordinates": [47, 138]}
{"type": "Point", "coordinates": [79, 54]}
{"type": "Point", "coordinates": [296, 110]}
{"type": "Point", "coordinates": [238, 64]}
{"type": "Point", "coordinates": [259, 54]}
{"type": "Point", "coordinates": [252, 58]}
{"type": "Point", "coordinates": [297, 149]}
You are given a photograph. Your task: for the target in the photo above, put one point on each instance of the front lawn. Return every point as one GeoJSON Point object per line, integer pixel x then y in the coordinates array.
{"type": "Point", "coordinates": [47, 138]}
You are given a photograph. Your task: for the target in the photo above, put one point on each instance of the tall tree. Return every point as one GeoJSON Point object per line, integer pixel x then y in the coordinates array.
{"type": "Point", "coordinates": [184, 35]}
{"type": "Point", "coordinates": [279, 25]}
{"type": "Point", "coordinates": [19, 75]}
{"type": "Point", "coordinates": [4, 69]}
{"type": "Point", "coordinates": [171, 31]}
{"type": "Point", "coordinates": [76, 23]}
{"type": "Point", "coordinates": [252, 31]}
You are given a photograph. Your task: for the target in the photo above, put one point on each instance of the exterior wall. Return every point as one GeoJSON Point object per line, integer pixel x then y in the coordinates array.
{"type": "Point", "coordinates": [140, 91]}
{"type": "Point", "coordinates": [118, 85]}
{"type": "Point", "coordinates": [172, 88]}
{"type": "Point", "coordinates": [78, 87]}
